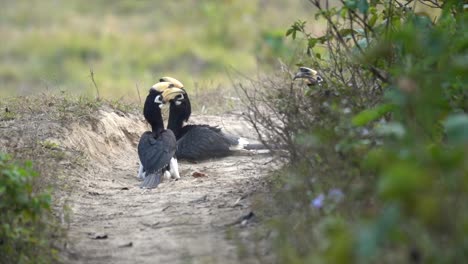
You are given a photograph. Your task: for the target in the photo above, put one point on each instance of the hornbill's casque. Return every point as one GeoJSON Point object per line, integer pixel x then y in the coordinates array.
{"type": "Point", "coordinates": [156, 148]}
{"type": "Point", "coordinates": [197, 142]}
{"type": "Point", "coordinates": [310, 76]}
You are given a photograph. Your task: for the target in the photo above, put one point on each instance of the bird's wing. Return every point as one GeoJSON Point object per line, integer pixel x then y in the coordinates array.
{"type": "Point", "coordinates": [231, 139]}
{"type": "Point", "coordinates": [187, 128]}
{"type": "Point", "coordinates": [202, 142]}
{"type": "Point", "coordinates": [156, 152]}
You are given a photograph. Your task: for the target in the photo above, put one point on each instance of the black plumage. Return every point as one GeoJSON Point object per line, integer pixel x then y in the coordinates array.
{"type": "Point", "coordinates": [195, 142]}
{"type": "Point", "coordinates": [199, 142]}
{"type": "Point", "coordinates": [156, 148]}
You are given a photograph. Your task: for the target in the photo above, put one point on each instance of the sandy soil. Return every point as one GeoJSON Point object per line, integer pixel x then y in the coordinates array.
{"type": "Point", "coordinates": [185, 221]}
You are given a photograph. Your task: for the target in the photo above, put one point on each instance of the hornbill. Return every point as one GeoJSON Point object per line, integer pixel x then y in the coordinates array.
{"type": "Point", "coordinates": [197, 142]}
{"type": "Point", "coordinates": [156, 148]}
{"type": "Point", "coordinates": [311, 76]}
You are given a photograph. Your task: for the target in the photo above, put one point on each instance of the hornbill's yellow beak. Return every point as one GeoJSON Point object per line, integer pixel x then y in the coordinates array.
{"type": "Point", "coordinates": [173, 93]}
{"type": "Point", "coordinates": [311, 76]}
{"type": "Point", "coordinates": [162, 86]}
{"type": "Point", "coordinates": [305, 73]}
{"type": "Point", "coordinates": [174, 81]}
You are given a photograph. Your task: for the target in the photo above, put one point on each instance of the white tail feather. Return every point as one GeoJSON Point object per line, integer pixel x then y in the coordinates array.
{"type": "Point", "coordinates": [141, 173]}
{"type": "Point", "coordinates": [167, 175]}
{"type": "Point", "coordinates": [241, 143]}
{"type": "Point", "coordinates": [174, 169]}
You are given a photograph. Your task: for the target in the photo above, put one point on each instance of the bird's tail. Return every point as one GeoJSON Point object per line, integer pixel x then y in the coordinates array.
{"type": "Point", "coordinates": [238, 143]}
{"type": "Point", "coordinates": [151, 180]}
{"type": "Point", "coordinates": [260, 146]}
{"type": "Point", "coordinates": [253, 146]}
{"type": "Point", "coordinates": [244, 143]}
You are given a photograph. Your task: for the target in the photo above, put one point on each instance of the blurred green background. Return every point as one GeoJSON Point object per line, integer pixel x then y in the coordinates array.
{"type": "Point", "coordinates": [52, 45]}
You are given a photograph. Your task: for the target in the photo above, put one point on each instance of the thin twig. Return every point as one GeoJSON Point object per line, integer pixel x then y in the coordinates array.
{"type": "Point", "coordinates": [91, 74]}
{"type": "Point", "coordinates": [138, 91]}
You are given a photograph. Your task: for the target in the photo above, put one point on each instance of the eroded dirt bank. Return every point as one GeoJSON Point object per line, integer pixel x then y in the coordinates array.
{"type": "Point", "coordinates": [185, 221]}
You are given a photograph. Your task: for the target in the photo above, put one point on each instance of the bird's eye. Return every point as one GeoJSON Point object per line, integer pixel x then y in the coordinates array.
{"type": "Point", "coordinates": [158, 99]}
{"type": "Point", "coordinates": [319, 79]}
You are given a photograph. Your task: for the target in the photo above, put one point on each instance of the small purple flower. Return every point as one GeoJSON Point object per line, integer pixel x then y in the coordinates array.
{"type": "Point", "coordinates": [365, 132]}
{"type": "Point", "coordinates": [336, 195]}
{"type": "Point", "coordinates": [318, 201]}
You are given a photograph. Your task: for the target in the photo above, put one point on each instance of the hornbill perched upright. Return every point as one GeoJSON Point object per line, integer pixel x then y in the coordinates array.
{"type": "Point", "coordinates": [311, 76]}
{"type": "Point", "coordinates": [197, 142]}
{"type": "Point", "coordinates": [156, 148]}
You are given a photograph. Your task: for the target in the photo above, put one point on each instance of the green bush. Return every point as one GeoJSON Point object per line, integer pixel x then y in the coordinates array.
{"type": "Point", "coordinates": [378, 156]}
{"type": "Point", "coordinates": [25, 216]}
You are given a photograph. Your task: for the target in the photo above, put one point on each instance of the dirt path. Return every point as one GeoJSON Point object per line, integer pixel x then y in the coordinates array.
{"type": "Point", "coordinates": [185, 221]}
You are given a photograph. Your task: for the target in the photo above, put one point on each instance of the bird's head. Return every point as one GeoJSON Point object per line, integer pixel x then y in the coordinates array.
{"type": "Point", "coordinates": [161, 86]}
{"type": "Point", "coordinates": [154, 102]}
{"type": "Point", "coordinates": [156, 91]}
{"type": "Point", "coordinates": [174, 81]}
{"type": "Point", "coordinates": [177, 95]}
{"type": "Point", "coordinates": [178, 98]}
{"type": "Point", "coordinates": [180, 103]}
{"type": "Point", "coordinates": [174, 94]}
{"type": "Point", "coordinates": [310, 76]}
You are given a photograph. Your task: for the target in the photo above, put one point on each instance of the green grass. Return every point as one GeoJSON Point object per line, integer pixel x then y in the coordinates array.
{"type": "Point", "coordinates": [53, 45]}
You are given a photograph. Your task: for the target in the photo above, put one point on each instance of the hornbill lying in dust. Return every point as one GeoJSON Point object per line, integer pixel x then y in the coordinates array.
{"type": "Point", "coordinates": [310, 76]}
{"type": "Point", "coordinates": [156, 148]}
{"type": "Point", "coordinates": [198, 142]}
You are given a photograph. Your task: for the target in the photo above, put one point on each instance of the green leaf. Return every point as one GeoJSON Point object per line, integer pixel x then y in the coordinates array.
{"type": "Point", "coordinates": [372, 20]}
{"type": "Point", "coordinates": [363, 6]}
{"type": "Point", "coordinates": [456, 128]}
{"type": "Point", "coordinates": [360, 31]}
{"type": "Point", "coordinates": [323, 39]}
{"type": "Point", "coordinates": [344, 12]}
{"type": "Point", "coordinates": [312, 42]}
{"type": "Point", "coordinates": [366, 241]}
{"type": "Point", "coordinates": [351, 4]}
{"type": "Point", "coordinates": [391, 129]}
{"type": "Point", "coordinates": [363, 43]}
{"type": "Point", "coordinates": [370, 235]}
{"type": "Point", "coordinates": [346, 31]}
{"type": "Point", "coordinates": [369, 115]}
{"type": "Point", "coordinates": [401, 181]}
